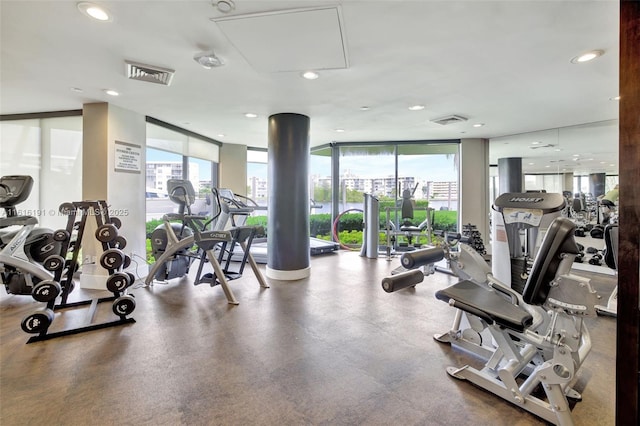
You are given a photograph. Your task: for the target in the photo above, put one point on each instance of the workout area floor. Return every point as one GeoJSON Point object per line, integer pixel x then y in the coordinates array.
{"type": "Point", "coordinates": [333, 349]}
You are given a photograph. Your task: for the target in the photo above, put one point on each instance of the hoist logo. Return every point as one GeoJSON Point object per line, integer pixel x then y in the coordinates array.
{"type": "Point", "coordinates": [526, 200]}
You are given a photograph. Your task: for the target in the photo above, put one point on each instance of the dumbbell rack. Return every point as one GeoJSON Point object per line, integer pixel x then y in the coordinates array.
{"type": "Point", "coordinates": [112, 259]}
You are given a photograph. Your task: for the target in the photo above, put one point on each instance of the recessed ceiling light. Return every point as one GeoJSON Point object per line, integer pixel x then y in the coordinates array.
{"type": "Point", "coordinates": [340, 130]}
{"type": "Point", "coordinates": [603, 162]}
{"type": "Point", "coordinates": [310, 75]}
{"type": "Point", "coordinates": [250, 115]}
{"type": "Point", "coordinates": [557, 150]}
{"type": "Point", "coordinates": [416, 107]}
{"type": "Point", "coordinates": [364, 108]}
{"type": "Point", "coordinates": [612, 165]}
{"type": "Point", "coordinates": [587, 56]}
{"type": "Point", "coordinates": [535, 143]}
{"type": "Point", "coordinates": [478, 125]}
{"type": "Point", "coordinates": [111, 92]}
{"type": "Point", "coordinates": [615, 98]}
{"type": "Point", "coordinates": [531, 164]}
{"type": "Point", "coordinates": [547, 166]}
{"type": "Point", "coordinates": [221, 135]}
{"type": "Point", "coordinates": [94, 11]}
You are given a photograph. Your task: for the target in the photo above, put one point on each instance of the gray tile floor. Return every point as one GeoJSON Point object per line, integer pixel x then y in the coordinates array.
{"type": "Point", "coordinates": [332, 349]}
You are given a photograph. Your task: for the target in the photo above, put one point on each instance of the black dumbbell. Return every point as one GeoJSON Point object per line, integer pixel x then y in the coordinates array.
{"type": "Point", "coordinates": [106, 233]}
{"type": "Point", "coordinates": [53, 263]}
{"type": "Point", "coordinates": [118, 282]}
{"type": "Point", "coordinates": [112, 259]}
{"type": "Point", "coordinates": [38, 321]}
{"type": "Point", "coordinates": [46, 290]}
{"type": "Point", "coordinates": [124, 305]}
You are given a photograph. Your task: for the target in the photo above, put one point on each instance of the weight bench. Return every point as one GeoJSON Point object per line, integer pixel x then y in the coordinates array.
{"type": "Point", "coordinates": [539, 337]}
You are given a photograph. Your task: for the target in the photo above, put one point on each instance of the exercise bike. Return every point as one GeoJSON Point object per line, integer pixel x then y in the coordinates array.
{"type": "Point", "coordinates": [24, 252]}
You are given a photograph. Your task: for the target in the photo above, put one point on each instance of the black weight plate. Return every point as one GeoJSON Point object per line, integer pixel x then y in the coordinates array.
{"type": "Point", "coordinates": [127, 262]}
{"type": "Point", "coordinates": [124, 305]}
{"type": "Point", "coordinates": [66, 208]}
{"type": "Point", "coordinates": [37, 321]}
{"type": "Point", "coordinates": [112, 259]}
{"type": "Point", "coordinates": [118, 282]}
{"type": "Point", "coordinates": [132, 278]}
{"type": "Point", "coordinates": [53, 263]}
{"type": "Point", "coordinates": [46, 290]}
{"type": "Point", "coordinates": [119, 242]}
{"type": "Point", "coordinates": [116, 222]}
{"type": "Point", "coordinates": [61, 235]}
{"type": "Point", "coordinates": [106, 233]}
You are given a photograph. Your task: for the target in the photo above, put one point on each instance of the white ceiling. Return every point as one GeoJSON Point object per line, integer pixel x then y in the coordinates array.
{"type": "Point", "coordinates": [502, 63]}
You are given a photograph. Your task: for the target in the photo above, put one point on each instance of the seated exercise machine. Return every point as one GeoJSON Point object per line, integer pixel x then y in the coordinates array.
{"type": "Point", "coordinates": [611, 260]}
{"type": "Point", "coordinates": [406, 228]}
{"type": "Point", "coordinates": [24, 251]}
{"type": "Point", "coordinates": [538, 337]}
{"type": "Point", "coordinates": [206, 241]}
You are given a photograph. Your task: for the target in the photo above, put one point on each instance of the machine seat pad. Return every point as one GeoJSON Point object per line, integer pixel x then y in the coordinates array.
{"type": "Point", "coordinates": [486, 304]}
{"type": "Point", "coordinates": [410, 229]}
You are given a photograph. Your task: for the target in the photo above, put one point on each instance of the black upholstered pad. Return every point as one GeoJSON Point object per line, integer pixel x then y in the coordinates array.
{"type": "Point", "coordinates": [486, 304]}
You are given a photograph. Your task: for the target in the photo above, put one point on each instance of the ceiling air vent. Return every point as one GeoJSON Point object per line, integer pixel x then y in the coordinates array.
{"type": "Point", "coordinates": [149, 73]}
{"type": "Point", "coordinates": [449, 119]}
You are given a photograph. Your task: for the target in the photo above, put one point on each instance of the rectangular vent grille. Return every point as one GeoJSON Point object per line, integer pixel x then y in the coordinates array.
{"type": "Point", "coordinates": [149, 73]}
{"type": "Point", "coordinates": [449, 119]}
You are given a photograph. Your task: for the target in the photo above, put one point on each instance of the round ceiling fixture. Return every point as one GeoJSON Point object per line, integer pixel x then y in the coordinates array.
{"type": "Point", "coordinates": [587, 56]}
{"type": "Point", "coordinates": [224, 6]}
{"type": "Point", "coordinates": [94, 11]}
{"type": "Point", "coordinates": [416, 107]}
{"type": "Point", "coordinates": [208, 59]}
{"type": "Point", "coordinates": [111, 92]}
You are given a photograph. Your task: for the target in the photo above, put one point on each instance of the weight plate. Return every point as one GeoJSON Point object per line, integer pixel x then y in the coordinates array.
{"type": "Point", "coordinates": [119, 242]}
{"type": "Point", "coordinates": [66, 208]}
{"type": "Point", "coordinates": [106, 233]}
{"type": "Point", "coordinates": [53, 263]}
{"type": "Point", "coordinates": [127, 262]}
{"type": "Point", "coordinates": [124, 305]}
{"type": "Point", "coordinates": [112, 259]}
{"type": "Point", "coordinates": [116, 222]}
{"type": "Point", "coordinates": [132, 278]}
{"type": "Point", "coordinates": [118, 282]}
{"type": "Point", "coordinates": [61, 235]}
{"type": "Point", "coordinates": [46, 290]}
{"type": "Point", "coordinates": [37, 321]}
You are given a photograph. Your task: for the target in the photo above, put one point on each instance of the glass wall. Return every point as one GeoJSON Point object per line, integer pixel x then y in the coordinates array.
{"type": "Point", "coordinates": [257, 172]}
{"type": "Point", "coordinates": [320, 181]}
{"type": "Point", "coordinates": [547, 182]}
{"type": "Point", "coordinates": [50, 151]}
{"type": "Point", "coordinates": [171, 154]}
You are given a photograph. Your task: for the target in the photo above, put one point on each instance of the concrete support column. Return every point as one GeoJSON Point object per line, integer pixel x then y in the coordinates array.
{"type": "Point", "coordinates": [288, 219]}
{"type": "Point", "coordinates": [567, 182]}
{"type": "Point", "coordinates": [108, 132]}
{"type": "Point", "coordinates": [596, 183]}
{"type": "Point", "coordinates": [474, 185]}
{"type": "Point", "coordinates": [510, 175]}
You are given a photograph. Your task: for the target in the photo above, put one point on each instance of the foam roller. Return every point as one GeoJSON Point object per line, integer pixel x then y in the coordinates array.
{"type": "Point", "coordinates": [417, 258]}
{"type": "Point", "coordinates": [402, 280]}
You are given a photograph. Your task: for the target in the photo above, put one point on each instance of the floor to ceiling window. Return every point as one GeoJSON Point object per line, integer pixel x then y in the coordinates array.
{"type": "Point", "coordinates": [50, 151]}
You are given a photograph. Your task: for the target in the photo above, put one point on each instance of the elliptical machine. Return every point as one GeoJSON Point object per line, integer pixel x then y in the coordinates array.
{"type": "Point", "coordinates": [172, 231]}
{"type": "Point", "coordinates": [22, 251]}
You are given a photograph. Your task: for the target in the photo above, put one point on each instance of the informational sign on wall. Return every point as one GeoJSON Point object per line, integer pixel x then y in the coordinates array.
{"type": "Point", "coordinates": [128, 157]}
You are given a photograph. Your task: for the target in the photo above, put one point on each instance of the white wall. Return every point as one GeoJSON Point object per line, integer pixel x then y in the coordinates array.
{"type": "Point", "coordinates": [474, 185]}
